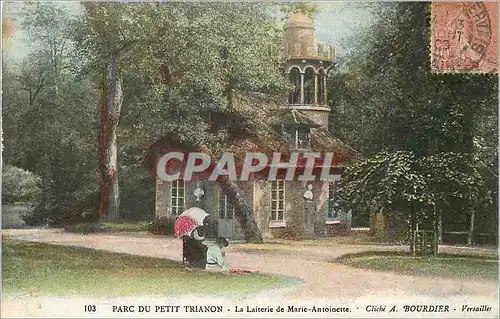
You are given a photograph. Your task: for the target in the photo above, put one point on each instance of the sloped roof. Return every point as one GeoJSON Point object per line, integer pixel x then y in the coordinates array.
{"type": "Point", "coordinates": [323, 141]}
{"type": "Point", "coordinates": [251, 128]}
{"type": "Point", "coordinates": [290, 117]}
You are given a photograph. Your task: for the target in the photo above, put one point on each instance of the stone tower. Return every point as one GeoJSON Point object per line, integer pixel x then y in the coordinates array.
{"type": "Point", "coordinates": [306, 66]}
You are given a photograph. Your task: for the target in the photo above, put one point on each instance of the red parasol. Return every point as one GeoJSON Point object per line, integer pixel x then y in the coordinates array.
{"type": "Point", "coordinates": [184, 226]}
{"type": "Point", "coordinates": [196, 214]}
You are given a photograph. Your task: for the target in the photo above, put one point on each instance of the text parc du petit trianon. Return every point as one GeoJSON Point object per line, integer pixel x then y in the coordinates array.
{"type": "Point", "coordinates": [253, 163]}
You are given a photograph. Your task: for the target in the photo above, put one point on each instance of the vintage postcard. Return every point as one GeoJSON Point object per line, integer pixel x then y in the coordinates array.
{"type": "Point", "coordinates": [249, 159]}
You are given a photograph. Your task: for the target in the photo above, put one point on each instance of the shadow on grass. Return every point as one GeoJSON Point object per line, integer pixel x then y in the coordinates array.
{"type": "Point", "coordinates": [395, 253]}
{"type": "Point", "coordinates": [450, 265]}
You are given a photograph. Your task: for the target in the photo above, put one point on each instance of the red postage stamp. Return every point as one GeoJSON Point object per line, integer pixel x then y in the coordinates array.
{"type": "Point", "coordinates": [464, 37]}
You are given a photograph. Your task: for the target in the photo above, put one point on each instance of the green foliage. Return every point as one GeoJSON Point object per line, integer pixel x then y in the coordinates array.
{"type": "Point", "coordinates": [385, 96]}
{"type": "Point", "coordinates": [53, 94]}
{"type": "Point", "coordinates": [50, 126]}
{"type": "Point", "coordinates": [385, 179]}
{"type": "Point", "coordinates": [199, 78]}
{"type": "Point", "coordinates": [19, 185]}
{"type": "Point", "coordinates": [398, 180]}
{"type": "Point", "coordinates": [309, 9]}
{"type": "Point", "coordinates": [439, 132]}
{"type": "Point", "coordinates": [137, 192]}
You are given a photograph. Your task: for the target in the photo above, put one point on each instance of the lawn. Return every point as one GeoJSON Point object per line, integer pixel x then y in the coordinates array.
{"type": "Point", "coordinates": [125, 226]}
{"type": "Point", "coordinates": [50, 269]}
{"type": "Point", "coordinates": [116, 226]}
{"type": "Point", "coordinates": [442, 265]}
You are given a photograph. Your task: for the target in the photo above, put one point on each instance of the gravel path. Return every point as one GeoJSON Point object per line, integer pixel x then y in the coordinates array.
{"type": "Point", "coordinates": [322, 280]}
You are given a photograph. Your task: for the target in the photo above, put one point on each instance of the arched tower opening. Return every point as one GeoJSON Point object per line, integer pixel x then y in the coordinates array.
{"type": "Point", "coordinates": [308, 62]}
{"type": "Point", "coordinates": [309, 86]}
{"type": "Point", "coordinates": [294, 95]}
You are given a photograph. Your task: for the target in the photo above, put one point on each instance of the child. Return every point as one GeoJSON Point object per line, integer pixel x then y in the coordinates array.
{"type": "Point", "coordinates": [215, 256]}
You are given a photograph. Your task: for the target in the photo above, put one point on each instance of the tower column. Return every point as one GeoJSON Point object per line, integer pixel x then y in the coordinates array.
{"type": "Point", "coordinates": [324, 89]}
{"type": "Point", "coordinates": [315, 88]}
{"type": "Point", "coordinates": [301, 88]}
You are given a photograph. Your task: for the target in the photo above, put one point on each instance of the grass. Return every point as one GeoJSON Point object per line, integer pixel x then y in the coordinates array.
{"type": "Point", "coordinates": [442, 265]}
{"type": "Point", "coordinates": [49, 269]}
{"type": "Point", "coordinates": [116, 226]}
{"type": "Point", "coordinates": [125, 226]}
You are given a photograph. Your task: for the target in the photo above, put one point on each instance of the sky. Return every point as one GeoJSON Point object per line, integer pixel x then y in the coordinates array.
{"type": "Point", "coordinates": [335, 24]}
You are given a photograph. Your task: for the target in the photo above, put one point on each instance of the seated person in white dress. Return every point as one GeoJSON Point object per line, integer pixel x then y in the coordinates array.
{"type": "Point", "coordinates": [215, 256]}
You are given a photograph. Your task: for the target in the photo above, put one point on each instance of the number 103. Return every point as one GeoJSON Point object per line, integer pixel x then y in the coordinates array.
{"type": "Point", "coordinates": [90, 308]}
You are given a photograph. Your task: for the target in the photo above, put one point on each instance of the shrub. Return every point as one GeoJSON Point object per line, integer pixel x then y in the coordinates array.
{"type": "Point", "coordinates": [78, 207]}
{"type": "Point", "coordinates": [289, 233]}
{"type": "Point", "coordinates": [19, 185]}
{"type": "Point", "coordinates": [338, 229]}
{"type": "Point", "coordinates": [137, 193]}
{"type": "Point", "coordinates": [342, 229]}
{"type": "Point", "coordinates": [162, 226]}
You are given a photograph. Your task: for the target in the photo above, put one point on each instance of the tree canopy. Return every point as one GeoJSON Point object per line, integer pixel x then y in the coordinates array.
{"type": "Point", "coordinates": [423, 135]}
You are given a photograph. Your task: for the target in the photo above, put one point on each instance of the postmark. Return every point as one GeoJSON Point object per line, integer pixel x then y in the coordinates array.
{"type": "Point", "coordinates": [464, 37]}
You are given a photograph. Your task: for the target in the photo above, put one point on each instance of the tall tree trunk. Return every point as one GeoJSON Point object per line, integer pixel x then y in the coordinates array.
{"type": "Point", "coordinates": [440, 227]}
{"type": "Point", "coordinates": [413, 229]}
{"type": "Point", "coordinates": [435, 223]}
{"type": "Point", "coordinates": [243, 210]}
{"type": "Point", "coordinates": [470, 235]}
{"type": "Point", "coordinates": [111, 103]}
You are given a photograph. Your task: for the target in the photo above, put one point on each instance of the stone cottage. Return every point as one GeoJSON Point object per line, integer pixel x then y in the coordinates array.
{"type": "Point", "coordinates": [301, 123]}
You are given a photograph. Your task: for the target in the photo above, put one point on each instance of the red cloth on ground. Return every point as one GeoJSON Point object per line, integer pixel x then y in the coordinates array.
{"type": "Point", "coordinates": [239, 271]}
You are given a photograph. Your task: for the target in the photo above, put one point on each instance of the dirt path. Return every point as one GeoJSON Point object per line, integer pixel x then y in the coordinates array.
{"type": "Point", "coordinates": [322, 280]}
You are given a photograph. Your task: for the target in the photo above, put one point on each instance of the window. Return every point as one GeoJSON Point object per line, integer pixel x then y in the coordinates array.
{"type": "Point", "coordinates": [303, 138]}
{"type": "Point", "coordinates": [294, 96]}
{"type": "Point", "coordinates": [226, 208]}
{"type": "Point", "coordinates": [277, 200]}
{"type": "Point", "coordinates": [288, 134]}
{"type": "Point", "coordinates": [333, 206]}
{"type": "Point", "coordinates": [177, 196]}
{"type": "Point", "coordinates": [298, 138]}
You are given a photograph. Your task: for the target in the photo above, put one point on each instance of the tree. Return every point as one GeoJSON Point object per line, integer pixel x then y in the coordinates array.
{"type": "Point", "coordinates": [177, 51]}
{"type": "Point", "coordinates": [419, 187]}
{"type": "Point", "coordinates": [386, 98]}
{"type": "Point", "coordinates": [19, 185]}
{"type": "Point", "coordinates": [387, 182]}
{"type": "Point", "coordinates": [54, 106]}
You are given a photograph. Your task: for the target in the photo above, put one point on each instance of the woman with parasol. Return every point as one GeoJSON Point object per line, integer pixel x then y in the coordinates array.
{"type": "Point", "coordinates": [187, 227]}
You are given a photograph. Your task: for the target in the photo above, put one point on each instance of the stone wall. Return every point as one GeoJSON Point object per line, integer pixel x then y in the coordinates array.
{"type": "Point", "coordinates": [262, 206]}
{"type": "Point", "coordinates": [299, 40]}
{"type": "Point", "coordinates": [162, 202]}
{"type": "Point", "coordinates": [308, 221]}
{"type": "Point", "coordinates": [295, 208]}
